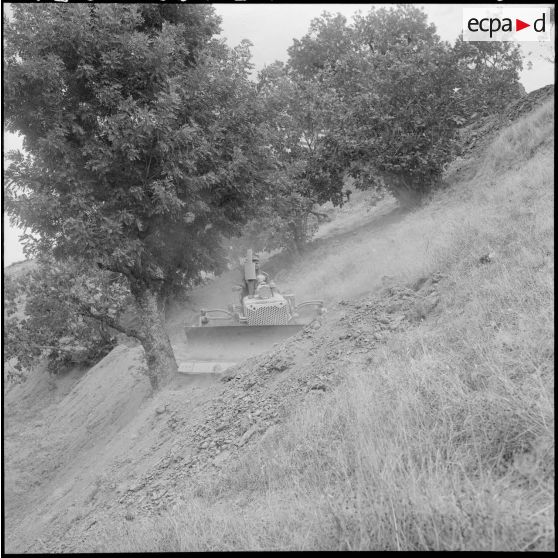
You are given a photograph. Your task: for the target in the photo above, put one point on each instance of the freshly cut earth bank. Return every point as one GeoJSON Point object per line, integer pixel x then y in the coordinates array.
{"type": "Point", "coordinates": [67, 443]}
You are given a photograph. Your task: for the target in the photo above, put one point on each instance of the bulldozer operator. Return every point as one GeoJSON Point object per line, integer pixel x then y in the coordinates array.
{"type": "Point", "coordinates": [253, 276]}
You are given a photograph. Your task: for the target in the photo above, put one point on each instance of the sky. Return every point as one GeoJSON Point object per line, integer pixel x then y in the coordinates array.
{"type": "Point", "coordinates": [272, 27]}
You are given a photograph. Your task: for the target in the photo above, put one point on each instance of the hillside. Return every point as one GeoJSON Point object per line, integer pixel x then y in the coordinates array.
{"type": "Point", "coordinates": [417, 415]}
{"type": "Point", "coordinates": [18, 269]}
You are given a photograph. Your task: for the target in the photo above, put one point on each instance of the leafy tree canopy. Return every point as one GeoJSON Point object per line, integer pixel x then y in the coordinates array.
{"type": "Point", "coordinates": [298, 110]}
{"type": "Point", "coordinates": [398, 93]}
{"type": "Point", "coordinates": [140, 134]}
{"type": "Point", "coordinates": [488, 75]}
{"type": "Point", "coordinates": [50, 314]}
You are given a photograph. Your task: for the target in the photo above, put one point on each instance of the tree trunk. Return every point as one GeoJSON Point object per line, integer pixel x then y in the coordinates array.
{"type": "Point", "coordinates": [299, 230]}
{"type": "Point", "coordinates": [161, 363]}
{"type": "Point", "coordinates": [403, 190]}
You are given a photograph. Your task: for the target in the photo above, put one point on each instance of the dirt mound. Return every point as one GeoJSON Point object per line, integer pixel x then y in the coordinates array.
{"type": "Point", "coordinates": [478, 133]}
{"type": "Point", "coordinates": [50, 447]}
{"type": "Point", "coordinates": [528, 102]}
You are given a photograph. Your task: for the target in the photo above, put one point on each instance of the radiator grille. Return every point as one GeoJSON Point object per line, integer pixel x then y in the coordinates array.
{"type": "Point", "coordinates": [267, 314]}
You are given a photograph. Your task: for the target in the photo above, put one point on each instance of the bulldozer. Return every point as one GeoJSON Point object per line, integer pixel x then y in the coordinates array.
{"type": "Point", "coordinates": [258, 317]}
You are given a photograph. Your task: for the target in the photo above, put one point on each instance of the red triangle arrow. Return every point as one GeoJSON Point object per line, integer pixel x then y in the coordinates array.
{"type": "Point", "coordinates": [519, 25]}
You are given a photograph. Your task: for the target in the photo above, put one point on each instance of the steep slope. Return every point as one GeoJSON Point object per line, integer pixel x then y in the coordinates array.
{"type": "Point", "coordinates": [417, 415]}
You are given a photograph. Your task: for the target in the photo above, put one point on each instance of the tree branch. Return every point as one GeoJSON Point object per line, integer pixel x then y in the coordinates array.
{"type": "Point", "coordinates": [85, 309]}
{"type": "Point", "coordinates": [320, 216]}
{"type": "Point", "coordinates": [113, 269]}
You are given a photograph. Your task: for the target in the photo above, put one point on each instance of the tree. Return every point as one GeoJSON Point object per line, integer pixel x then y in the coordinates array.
{"type": "Point", "coordinates": [396, 95]}
{"type": "Point", "coordinates": [297, 110]}
{"type": "Point", "coordinates": [51, 314]}
{"type": "Point", "coordinates": [143, 145]}
{"type": "Point", "coordinates": [392, 96]}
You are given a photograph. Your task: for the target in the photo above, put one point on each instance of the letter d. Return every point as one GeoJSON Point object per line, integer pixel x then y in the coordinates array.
{"type": "Point", "coordinates": [542, 19]}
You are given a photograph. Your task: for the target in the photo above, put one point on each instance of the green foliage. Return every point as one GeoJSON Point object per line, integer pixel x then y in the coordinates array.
{"type": "Point", "coordinates": [488, 74]}
{"type": "Point", "coordinates": [44, 316]}
{"type": "Point", "coordinates": [327, 41]}
{"type": "Point", "coordinates": [378, 100]}
{"type": "Point", "coordinates": [11, 291]}
{"type": "Point", "coordinates": [297, 110]}
{"type": "Point", "coordinates": [286, 224]}
{"type": "Point", "coordinates": [143, 143]}
{"type": "Point", "coordinates": [397, 95]}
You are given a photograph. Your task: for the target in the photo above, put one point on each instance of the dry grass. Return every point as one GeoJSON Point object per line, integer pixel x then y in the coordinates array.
{"type": "Point", "coordinates": [410, 245]}
{"type": "Point", "coordinates": [446, 441]}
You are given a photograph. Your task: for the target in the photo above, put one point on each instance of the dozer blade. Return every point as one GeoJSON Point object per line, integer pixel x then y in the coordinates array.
{"type": "Point", "coordinates": [231, 344]}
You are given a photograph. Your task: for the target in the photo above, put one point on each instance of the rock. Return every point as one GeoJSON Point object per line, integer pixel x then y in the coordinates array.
{"type": "Point", "coordinates": [244, 424]}
{"type": "Point", "coordinates": [487, 258]}
{"type": "Point", "coordinates": [318, 386]}
{"type": "Point", "coordinates": [420, 283]}
{"type": "Point", "coordinates": [429, 303]}
{"type": "Point", "coordinates": [279, 364]}
{"type": "Point", "coordinates": [248, 434]}
{"type": "Point", "coordinates": [161, 409]}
